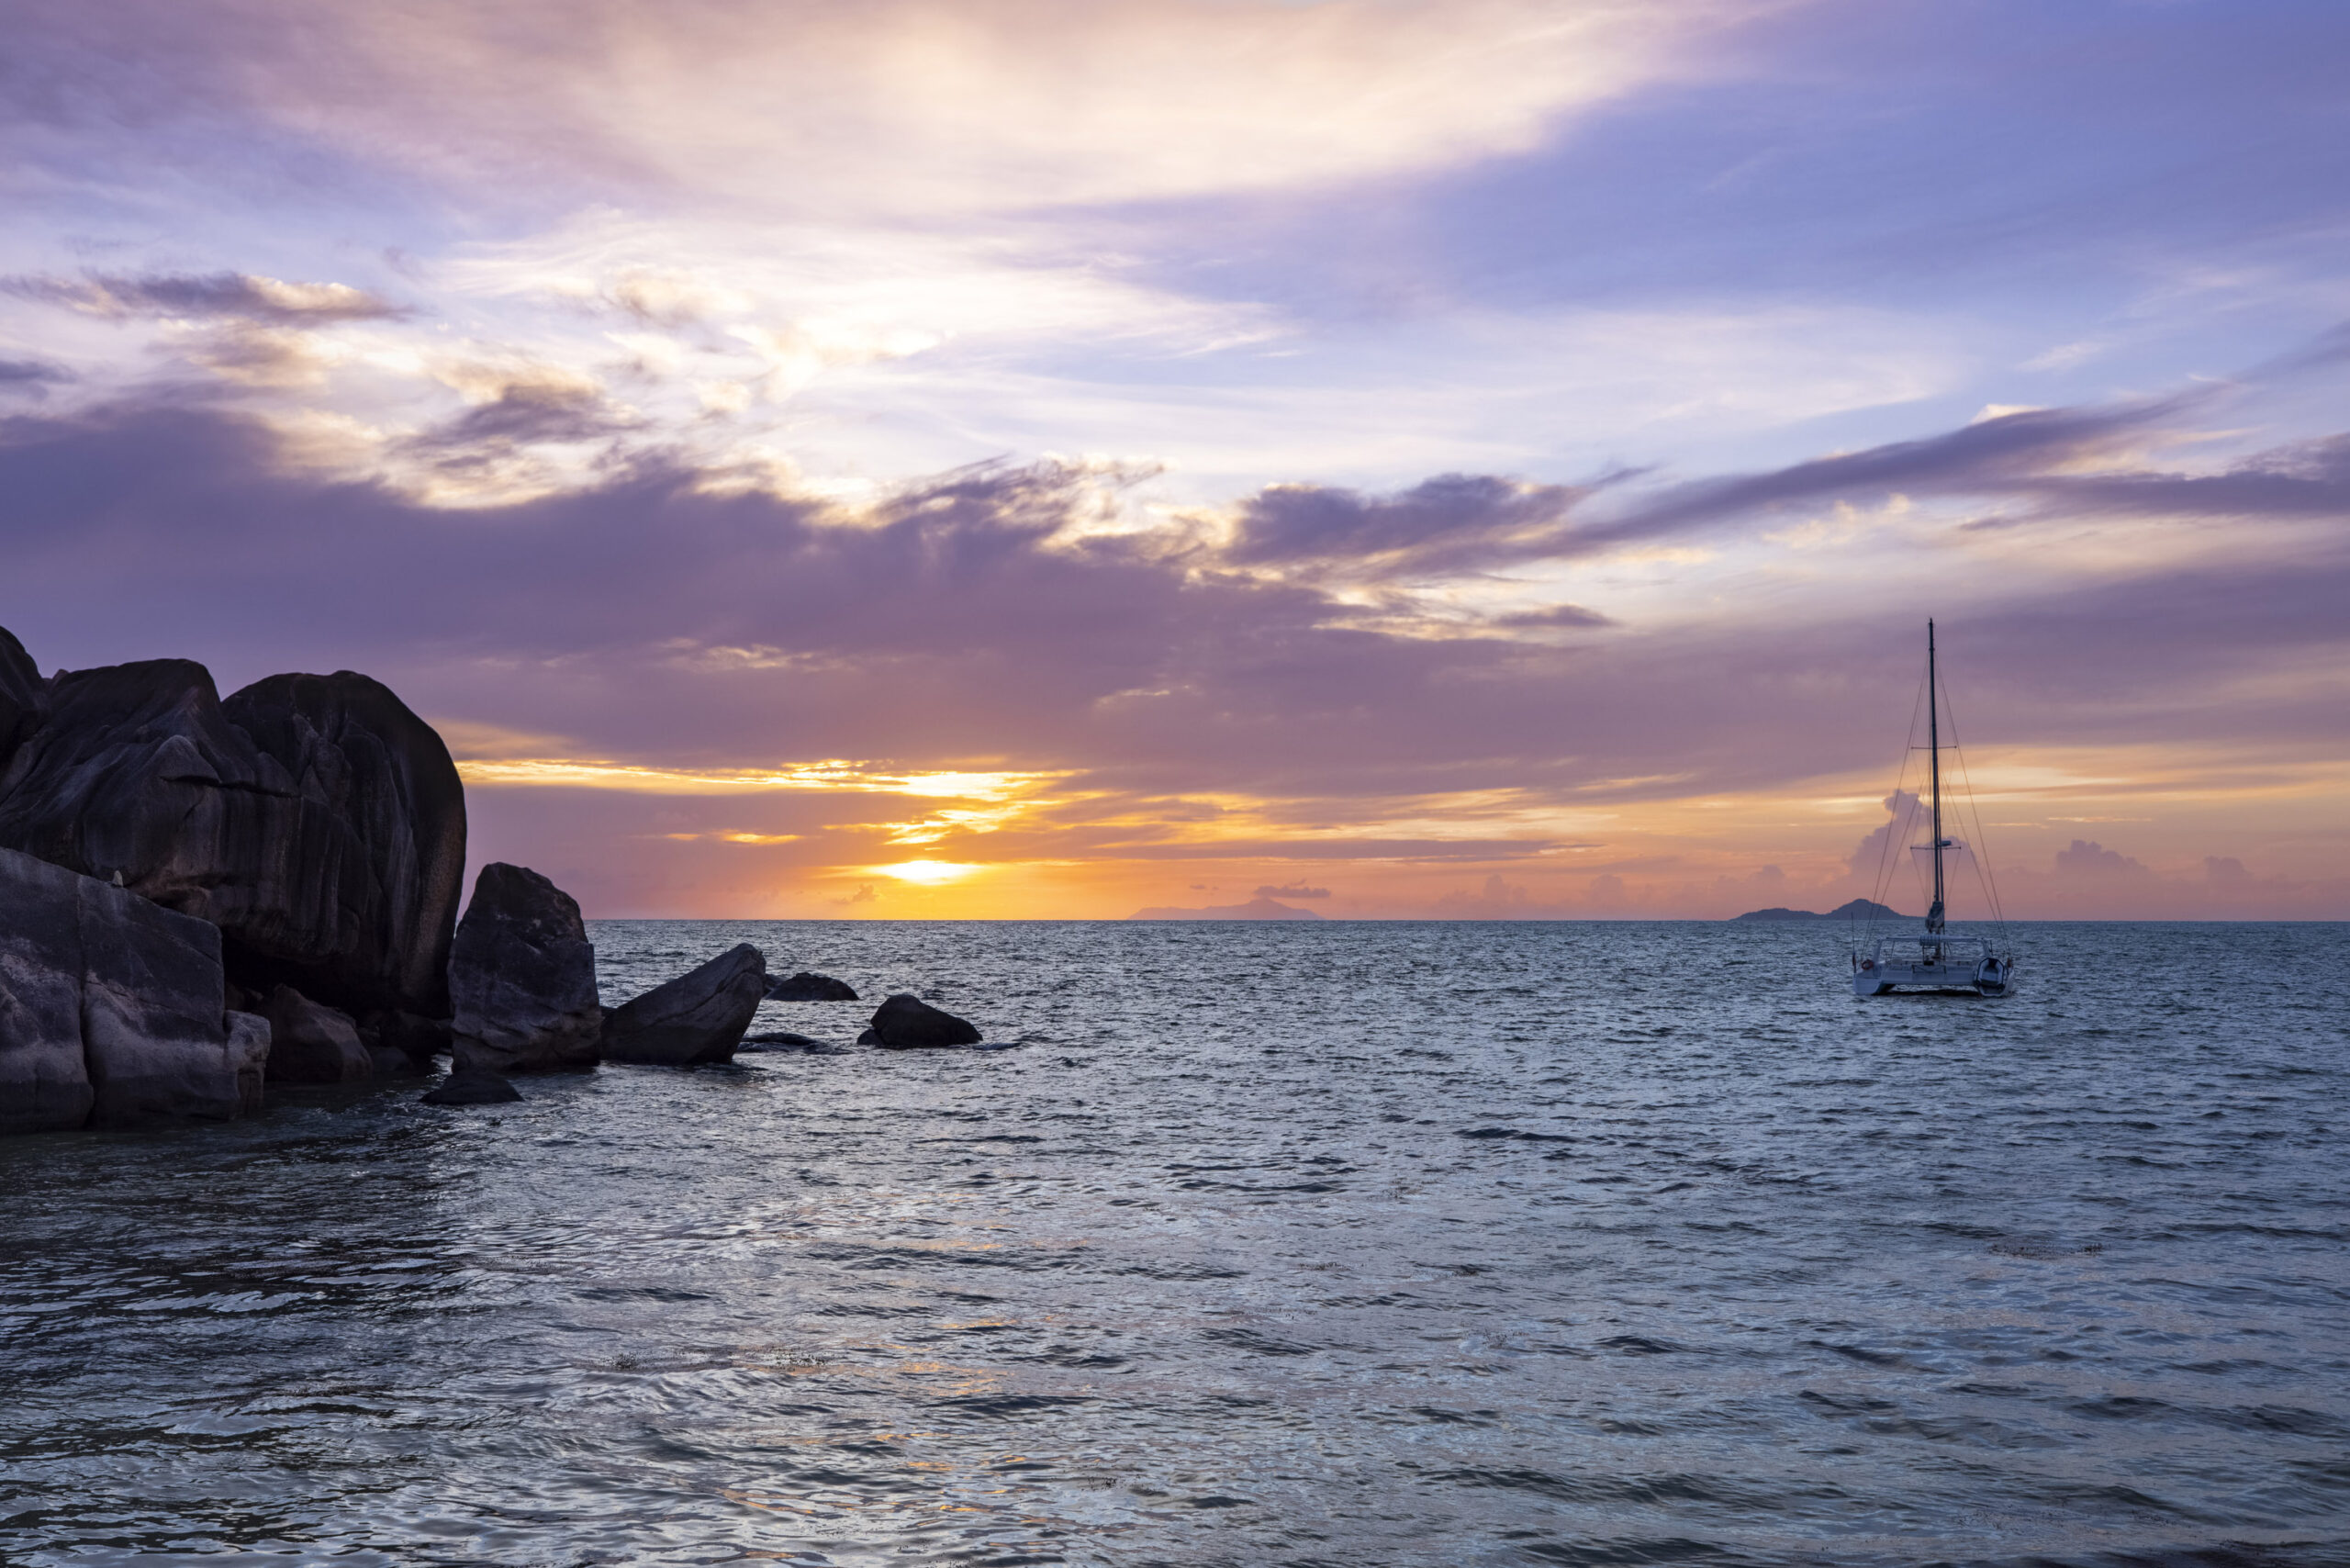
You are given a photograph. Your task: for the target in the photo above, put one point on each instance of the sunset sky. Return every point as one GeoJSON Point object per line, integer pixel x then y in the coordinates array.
{"type": "Point", "coordinates": [1490, 458]}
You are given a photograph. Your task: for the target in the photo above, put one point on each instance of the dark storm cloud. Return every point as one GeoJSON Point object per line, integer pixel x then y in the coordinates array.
{"type": "Point", "coordinates": [960, 624]}
{"type": "Point", "coordinates": [229, 295]}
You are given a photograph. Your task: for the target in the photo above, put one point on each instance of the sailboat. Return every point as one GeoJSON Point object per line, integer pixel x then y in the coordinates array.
{"type": "Point", "coordinates": [1933, 961]}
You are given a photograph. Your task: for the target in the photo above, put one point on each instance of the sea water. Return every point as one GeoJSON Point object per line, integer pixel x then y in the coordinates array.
{"type": "Point", "coordinates": [1254, 1244]}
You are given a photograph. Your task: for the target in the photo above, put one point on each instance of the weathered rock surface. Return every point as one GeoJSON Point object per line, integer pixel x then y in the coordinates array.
{"type": "Point", "coordinates": [23, 695]}
{"type": "Point", "coordinates": [313, 819]}
{"type": "Point", "coordinates": [697, 1018]}
{"type": "Point", "coordinates": [806, 987]}
{"type": "Point", "coordinates": [905, 1022]}
{"type": "Point", "coordinates": [111, 1009]}
{"type": "Point", "coordinates": [383, 823]}
{"type": "Point", "coordinates": [471, 1086]}
{"type": "Point", "coordinates": [522, 978]}
{"type": "Point", "coordinates": [312, 1043]}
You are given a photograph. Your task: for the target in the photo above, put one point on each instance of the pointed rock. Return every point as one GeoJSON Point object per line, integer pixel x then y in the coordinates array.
{"type": "Point", "coordinates": [697, 1018]}
{"type": "Point", "coordinates": [522, 978]}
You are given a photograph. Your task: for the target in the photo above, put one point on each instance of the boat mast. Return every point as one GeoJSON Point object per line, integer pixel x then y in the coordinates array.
{"type": "Point", "coordinates": [1934, 750]}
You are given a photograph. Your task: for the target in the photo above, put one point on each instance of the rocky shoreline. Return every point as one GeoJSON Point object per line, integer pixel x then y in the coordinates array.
{"type": "Point", "coordinates": [200, 896]}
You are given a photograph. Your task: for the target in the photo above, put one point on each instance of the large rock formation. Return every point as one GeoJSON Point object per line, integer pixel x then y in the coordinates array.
{"type": "Point", "coordinates": [522, 977]}
{"type": "Point", "coordinates": [905, 1022]}
{"type": "Point", "coordinates": [699, 1017]}
{"type": "Point", "coordinates": [111, 1009]}
{"type": "Point", "coordinates": [313, 819]}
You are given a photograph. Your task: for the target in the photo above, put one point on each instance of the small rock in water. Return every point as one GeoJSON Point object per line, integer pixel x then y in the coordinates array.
{"type": "Point", "coordinates": [806, 987]}
{"type": "Point", "coordinates": [784, 1040]}
{"type": "Point", "coordinates": [471, 1086]}
{"type": "Point", "coordinates": [906, 1022]}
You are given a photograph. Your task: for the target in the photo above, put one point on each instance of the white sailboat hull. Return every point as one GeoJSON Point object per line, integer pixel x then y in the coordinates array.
{"type": "Point", "coordinates": [1957, 967]}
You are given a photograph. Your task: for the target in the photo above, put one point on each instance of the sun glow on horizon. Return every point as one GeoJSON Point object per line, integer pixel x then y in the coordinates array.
{"type": "Point", "coordinates": [928, 873]}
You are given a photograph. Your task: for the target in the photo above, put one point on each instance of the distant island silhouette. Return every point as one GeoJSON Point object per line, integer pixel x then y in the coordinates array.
{"type": "Point", "coordinates": [1859, 909]}
{"type": "Point", "coordinates": [1255, 909]}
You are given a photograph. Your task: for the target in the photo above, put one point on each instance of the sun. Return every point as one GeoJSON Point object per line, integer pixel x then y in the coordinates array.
{"type": "Point", "coordinates": [929, 872]}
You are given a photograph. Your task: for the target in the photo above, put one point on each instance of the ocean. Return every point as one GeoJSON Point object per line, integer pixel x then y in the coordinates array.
{"type": "Point", "coordinates": [1289, 1243]}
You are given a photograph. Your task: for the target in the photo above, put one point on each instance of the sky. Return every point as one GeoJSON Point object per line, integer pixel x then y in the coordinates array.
{"type": "Point", "coordinates": [1402, 458]}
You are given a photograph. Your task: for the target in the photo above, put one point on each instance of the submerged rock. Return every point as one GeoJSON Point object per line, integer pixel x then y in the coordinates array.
{"type": "Point", "coordinates": [781, 1040]}
{"type": "Point", "coordinates": [905, 1021]}
{"type": "Point", "coordinates": [522, 978]}
{"type": "Point", "coordinates": [312, 1043]}
{"type": "Point", "coordinates": [697, 1018]}
{"type": "Point", "coordinates": [315, 820]}
{"type": "Point", "coordinates": [112, 1011]}
{"type": "Point", "coordinates": [471, 1086]}
{"type": "Point", "coordinates": [806, 987]}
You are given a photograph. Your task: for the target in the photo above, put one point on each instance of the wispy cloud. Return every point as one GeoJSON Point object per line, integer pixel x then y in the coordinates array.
{"type": "Point", "coordinates": [889, 106]}
{"type": "Point", "coordinates": [240, 296]}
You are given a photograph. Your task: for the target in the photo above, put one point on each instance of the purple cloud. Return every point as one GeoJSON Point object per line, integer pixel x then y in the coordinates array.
{"type": "Point", "coordinates": [1452, 523]}
{"type": "Point", "coordinates": [33, 377]}
{"type": "Point", "coordinates": [960, 624]}
{"type": "Point", "coordinates": [235, 296]}
{"type": "Point", "coordinates": [2088, 858]}
{"type": "Point", "coordinates": [649, 616]}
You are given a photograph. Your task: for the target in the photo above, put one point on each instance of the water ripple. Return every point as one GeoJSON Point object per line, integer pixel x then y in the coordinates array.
{"type": "Point", "coordinates": [1339, 1244]}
